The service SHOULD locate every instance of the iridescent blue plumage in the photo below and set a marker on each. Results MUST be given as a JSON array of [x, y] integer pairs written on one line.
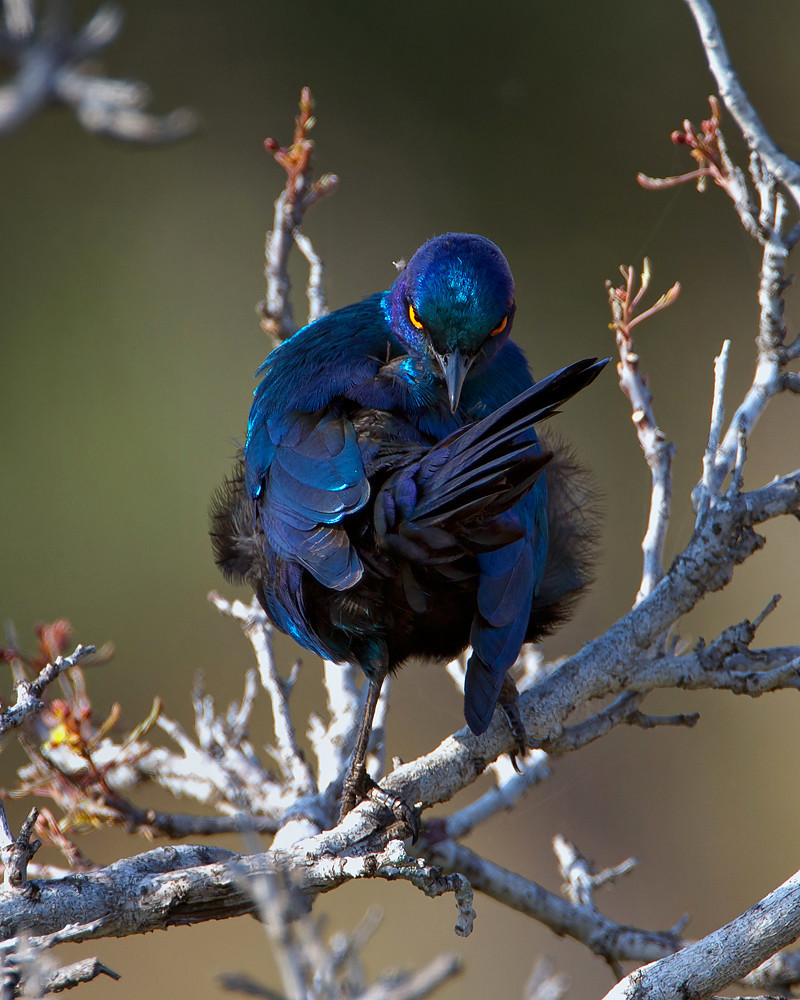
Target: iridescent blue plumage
[[392, 501]]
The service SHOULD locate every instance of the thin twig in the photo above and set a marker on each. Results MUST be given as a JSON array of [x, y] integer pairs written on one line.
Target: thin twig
[[658, 452], [580, 878], [299, 193], [703, 492]]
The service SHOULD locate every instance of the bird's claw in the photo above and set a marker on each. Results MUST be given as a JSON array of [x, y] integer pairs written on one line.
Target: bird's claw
[[508, 702], [400, 809], [357, 788]]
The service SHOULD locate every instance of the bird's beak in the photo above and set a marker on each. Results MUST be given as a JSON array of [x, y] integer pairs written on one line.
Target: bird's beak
[[454, 368]]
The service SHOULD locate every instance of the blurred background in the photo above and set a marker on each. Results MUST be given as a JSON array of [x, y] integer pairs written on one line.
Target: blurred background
[[128, 339]]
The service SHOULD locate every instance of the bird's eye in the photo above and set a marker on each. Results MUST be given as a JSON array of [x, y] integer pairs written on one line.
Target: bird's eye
[[412, 315], [500, 327]]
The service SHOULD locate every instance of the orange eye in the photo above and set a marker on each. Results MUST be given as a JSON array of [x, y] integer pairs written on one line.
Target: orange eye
[[412, 315], [500, 327]]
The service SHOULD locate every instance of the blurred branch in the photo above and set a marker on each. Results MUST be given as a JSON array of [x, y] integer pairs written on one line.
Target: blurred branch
[[545, 983], [56, 65], [29, 693], [779, 971], [16, 853], [392, 986], [29, 972], [311, 967], [69, 976], [580, 878]]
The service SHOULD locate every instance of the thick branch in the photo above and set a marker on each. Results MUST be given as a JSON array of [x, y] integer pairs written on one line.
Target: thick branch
[[187, 885]]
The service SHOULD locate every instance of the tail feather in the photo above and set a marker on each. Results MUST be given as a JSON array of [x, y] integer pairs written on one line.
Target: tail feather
[[481, 691], [573, 512], [498, 446]]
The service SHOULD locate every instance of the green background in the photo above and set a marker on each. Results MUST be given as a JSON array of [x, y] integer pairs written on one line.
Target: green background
[[128, 280]]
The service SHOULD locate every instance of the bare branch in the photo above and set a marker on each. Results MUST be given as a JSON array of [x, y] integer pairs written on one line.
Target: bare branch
[[298, 778], [188, 885], [744, 114], [510, 787], [723, 957], [623, 710], [614, 942], [545, 983], [299, 193], [580, 878], [333, 743], [704, 490], [258, 630], [768, 379], [708, 148], [658, 452], [317, 303]]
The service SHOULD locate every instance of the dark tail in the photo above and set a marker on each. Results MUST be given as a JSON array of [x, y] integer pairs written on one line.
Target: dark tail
[[484, 468]]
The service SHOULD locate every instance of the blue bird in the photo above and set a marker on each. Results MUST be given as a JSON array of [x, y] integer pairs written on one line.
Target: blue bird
[[392, 499]]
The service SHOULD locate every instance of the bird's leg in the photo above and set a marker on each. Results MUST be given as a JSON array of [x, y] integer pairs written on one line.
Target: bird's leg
[[358, 785], [354, 788], [508, 702]]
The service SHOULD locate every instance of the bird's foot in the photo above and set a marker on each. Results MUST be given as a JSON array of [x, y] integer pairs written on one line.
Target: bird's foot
[[360, 786], [508, 702]]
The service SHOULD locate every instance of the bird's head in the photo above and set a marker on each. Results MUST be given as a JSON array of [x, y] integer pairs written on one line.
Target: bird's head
[[453, 306]]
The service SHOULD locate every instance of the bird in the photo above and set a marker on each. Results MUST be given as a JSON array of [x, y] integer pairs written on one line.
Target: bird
[[393, 498]]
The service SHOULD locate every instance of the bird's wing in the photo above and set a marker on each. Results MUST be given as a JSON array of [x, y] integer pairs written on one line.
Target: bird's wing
[[303, 466], [313, 476]]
